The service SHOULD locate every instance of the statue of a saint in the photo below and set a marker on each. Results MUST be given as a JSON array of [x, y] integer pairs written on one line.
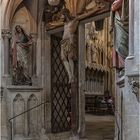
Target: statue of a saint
[[120, 16], [20, 57], [92, 50], [120, 24]]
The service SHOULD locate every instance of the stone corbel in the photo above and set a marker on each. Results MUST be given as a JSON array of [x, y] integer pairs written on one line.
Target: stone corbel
[[6, 33], [134, 82]]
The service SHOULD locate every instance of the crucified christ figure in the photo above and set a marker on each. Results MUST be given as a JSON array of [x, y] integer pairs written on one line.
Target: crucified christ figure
[[68, 42]]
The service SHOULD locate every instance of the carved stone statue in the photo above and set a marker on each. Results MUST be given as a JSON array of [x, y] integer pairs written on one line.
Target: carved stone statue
[[120, 23], [92, 50], [21, 43], [68, 45]]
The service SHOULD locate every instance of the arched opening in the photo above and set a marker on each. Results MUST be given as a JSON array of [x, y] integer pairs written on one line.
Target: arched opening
[[19, 123], [33, 116]]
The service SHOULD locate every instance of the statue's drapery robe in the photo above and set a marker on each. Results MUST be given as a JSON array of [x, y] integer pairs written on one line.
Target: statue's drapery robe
[[121, 34], [67, 49], [21, 58]]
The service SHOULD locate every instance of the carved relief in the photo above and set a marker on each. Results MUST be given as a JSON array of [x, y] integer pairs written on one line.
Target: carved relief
[[6, 33], [96, 52], [134, 82], [19, 122], [82, 8], [97, 69], [33, 115], [52, 12], [92, 50]]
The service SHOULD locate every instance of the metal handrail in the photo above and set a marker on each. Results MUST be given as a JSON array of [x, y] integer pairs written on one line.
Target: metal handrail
[[24, 113]]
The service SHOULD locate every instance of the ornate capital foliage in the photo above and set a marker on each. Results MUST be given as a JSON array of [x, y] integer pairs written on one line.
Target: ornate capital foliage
[[6, 33]]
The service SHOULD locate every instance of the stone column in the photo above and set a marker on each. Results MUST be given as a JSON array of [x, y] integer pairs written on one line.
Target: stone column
[[4, 128], [81, 71], [47, 82], [34, 38], [6, 35], [131, 95], [136, 31]]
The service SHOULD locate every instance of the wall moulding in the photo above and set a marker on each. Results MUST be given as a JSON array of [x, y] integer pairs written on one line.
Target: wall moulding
[[23, 88]]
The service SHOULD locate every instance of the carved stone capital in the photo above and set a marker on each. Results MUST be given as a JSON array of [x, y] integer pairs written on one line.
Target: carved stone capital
[[134, 83], [6, 33]]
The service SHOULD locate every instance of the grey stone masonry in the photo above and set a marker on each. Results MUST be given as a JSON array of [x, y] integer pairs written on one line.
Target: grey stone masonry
[[131, 92]]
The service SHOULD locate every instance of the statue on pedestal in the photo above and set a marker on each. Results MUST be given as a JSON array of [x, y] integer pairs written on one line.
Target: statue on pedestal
[[20, 57]]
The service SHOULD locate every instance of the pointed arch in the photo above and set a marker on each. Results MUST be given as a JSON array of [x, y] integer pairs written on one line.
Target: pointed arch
[[19, 122], [10, 7], [33, 115]]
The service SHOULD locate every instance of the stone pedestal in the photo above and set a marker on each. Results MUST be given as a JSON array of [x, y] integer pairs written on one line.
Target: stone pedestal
[[21, 99]]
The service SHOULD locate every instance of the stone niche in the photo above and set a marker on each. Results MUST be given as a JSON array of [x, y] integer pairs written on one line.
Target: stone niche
[[21, 99], [23, 59]]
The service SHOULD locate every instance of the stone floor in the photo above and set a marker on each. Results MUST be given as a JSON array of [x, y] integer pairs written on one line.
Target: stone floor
[[99, 127]]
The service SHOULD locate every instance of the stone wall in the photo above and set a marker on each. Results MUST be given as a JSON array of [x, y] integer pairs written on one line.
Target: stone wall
[[131, 115]]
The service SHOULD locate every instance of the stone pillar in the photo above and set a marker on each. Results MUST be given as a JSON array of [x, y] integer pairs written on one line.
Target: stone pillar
[[33, 63], [34, 38], [4, 128], [131, 28], [81, 71], [131, 95], [6, 35], [47, 81]]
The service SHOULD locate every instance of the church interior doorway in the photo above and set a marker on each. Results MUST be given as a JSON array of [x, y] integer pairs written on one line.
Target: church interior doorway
[[99, 77]]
